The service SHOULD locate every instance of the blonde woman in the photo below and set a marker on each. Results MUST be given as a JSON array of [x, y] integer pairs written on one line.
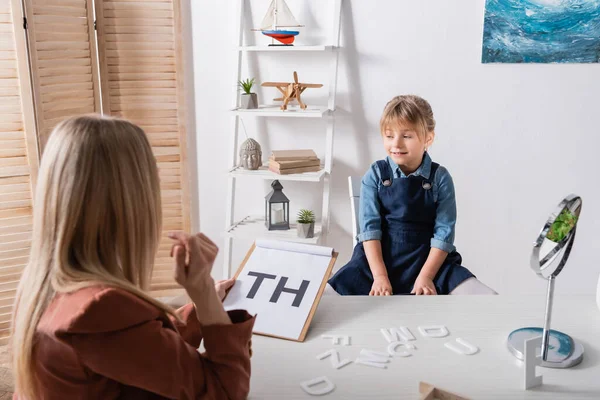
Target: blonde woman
[[84, 328]]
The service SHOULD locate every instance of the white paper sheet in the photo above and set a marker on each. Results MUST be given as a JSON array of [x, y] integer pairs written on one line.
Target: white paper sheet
[[295, 247], [297, 262]]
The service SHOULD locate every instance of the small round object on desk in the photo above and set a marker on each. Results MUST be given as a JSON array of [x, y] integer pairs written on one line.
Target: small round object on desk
[[563, 351]]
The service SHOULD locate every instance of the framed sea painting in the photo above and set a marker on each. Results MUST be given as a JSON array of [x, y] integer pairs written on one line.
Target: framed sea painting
[[541, 31]]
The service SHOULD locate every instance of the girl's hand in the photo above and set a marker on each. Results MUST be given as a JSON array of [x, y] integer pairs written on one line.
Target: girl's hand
[[381, 286], [194, 257], [424, 285], [223, 286]]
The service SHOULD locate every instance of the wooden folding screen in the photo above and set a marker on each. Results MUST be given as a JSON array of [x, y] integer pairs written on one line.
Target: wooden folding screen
[[64, 71], [141, 64], [54, 69], [18, 158]]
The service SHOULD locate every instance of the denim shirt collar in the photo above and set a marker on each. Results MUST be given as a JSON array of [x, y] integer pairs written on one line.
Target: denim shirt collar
[[424, 169]]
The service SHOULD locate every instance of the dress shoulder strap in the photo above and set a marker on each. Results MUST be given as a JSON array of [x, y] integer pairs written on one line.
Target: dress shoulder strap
[[385, 170]]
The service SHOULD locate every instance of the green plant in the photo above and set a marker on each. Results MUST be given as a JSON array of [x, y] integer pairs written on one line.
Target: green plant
[[305, 217], [562, 226], [246, 85]]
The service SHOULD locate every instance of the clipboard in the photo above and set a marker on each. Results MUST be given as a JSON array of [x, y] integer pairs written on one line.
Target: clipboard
[[315, 301]]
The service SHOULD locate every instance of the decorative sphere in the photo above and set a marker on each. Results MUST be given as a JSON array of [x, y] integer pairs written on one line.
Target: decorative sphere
[[250, 154]]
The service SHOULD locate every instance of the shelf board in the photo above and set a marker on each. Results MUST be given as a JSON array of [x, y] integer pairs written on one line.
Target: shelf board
[[285, 48], [264, 173], [291, 112], [253, 227]]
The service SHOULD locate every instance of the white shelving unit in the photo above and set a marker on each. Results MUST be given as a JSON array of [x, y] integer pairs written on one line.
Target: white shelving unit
[[291, 112], [286, 48], [253, 227]]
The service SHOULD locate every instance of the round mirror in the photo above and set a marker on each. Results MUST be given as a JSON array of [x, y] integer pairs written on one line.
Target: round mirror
[[550, 253], [553, 245]]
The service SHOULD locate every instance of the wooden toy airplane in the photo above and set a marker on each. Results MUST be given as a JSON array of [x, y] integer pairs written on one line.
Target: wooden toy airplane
[[291, 90]]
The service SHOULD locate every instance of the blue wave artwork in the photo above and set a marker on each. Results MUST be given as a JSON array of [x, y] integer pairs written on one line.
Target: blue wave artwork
[[541, 31]]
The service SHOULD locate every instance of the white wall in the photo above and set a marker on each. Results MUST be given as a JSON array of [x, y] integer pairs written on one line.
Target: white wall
[[516, 138]]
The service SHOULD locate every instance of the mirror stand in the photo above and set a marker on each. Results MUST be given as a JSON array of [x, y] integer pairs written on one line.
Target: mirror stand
[[558, 350]]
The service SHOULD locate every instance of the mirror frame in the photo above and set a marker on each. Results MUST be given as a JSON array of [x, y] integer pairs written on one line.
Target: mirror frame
[[539, 266]]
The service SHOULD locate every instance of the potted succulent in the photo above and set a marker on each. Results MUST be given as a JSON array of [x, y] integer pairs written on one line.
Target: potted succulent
[[305, 224], [248, 100]]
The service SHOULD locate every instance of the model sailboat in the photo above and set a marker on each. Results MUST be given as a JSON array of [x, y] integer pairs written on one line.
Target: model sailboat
[[279, 16]]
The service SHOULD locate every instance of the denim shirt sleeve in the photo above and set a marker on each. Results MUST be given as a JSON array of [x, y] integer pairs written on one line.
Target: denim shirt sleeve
[[445, 220], [369, 221]]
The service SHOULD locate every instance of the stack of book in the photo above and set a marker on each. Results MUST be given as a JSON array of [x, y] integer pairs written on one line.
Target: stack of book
[[286, 162]]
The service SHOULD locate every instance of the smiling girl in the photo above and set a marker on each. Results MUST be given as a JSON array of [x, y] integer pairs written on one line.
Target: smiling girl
[[407, 216]]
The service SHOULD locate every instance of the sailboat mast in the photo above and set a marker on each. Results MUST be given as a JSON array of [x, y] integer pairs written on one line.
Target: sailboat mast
[[275, 16]]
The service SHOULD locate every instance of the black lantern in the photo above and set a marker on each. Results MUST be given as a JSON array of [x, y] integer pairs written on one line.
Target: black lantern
[[277, 209]]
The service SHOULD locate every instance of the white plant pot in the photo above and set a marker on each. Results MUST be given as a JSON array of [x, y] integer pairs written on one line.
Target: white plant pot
[[248, 101], [306, 230]]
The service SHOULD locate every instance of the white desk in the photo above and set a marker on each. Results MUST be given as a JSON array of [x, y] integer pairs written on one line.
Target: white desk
[[278, 366]]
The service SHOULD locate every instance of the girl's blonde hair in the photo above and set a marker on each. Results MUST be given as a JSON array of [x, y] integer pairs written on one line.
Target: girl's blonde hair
[[408, 109], [97, 221]]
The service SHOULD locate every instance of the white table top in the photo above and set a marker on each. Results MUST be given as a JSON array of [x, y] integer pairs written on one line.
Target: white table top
[[278, 366]]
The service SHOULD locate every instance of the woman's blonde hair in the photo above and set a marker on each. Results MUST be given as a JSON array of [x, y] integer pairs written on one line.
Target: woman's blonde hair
[[97, 221], [408, 109]]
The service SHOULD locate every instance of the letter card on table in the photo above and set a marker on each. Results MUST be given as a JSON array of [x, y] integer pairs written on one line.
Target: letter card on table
[[282, 283]]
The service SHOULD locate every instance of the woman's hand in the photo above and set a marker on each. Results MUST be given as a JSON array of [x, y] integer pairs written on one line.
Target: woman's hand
[[424, 285], [194, 257], [223, 286], [381, 286]]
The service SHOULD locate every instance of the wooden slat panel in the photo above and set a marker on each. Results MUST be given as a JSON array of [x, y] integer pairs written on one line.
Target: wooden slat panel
[[141, 38], [8, 213], [140, 46], [47, 45], [16, 239], [58, 10], [60, 64], [15, 196], [49, 90], [141, 85], [142, 115], [66, 3], [138, 29], [66, 71], [5, 245], [18, 158], [15, 204], [16, 253], [12, 270], [6, 300], [154, 98], [143, 59], [142, 91], [141, 54], [8, 262], [63, 59], [124, 5], [141, 13], [68, 104], [140, 21], [58, 19], [59, 28], [15, 225], [7, 286]]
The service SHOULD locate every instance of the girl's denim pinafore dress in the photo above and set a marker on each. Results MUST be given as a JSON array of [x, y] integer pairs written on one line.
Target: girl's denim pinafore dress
[[408, 213]]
